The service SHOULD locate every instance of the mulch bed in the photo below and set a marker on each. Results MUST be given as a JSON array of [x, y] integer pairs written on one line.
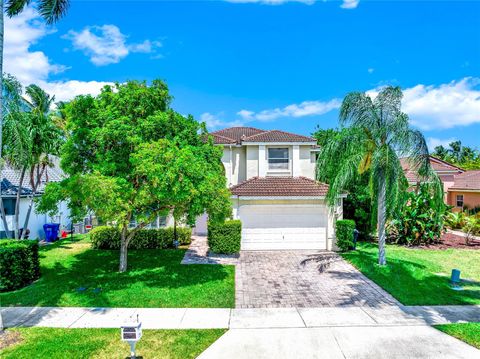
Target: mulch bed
[[452, 241], [8, 338]]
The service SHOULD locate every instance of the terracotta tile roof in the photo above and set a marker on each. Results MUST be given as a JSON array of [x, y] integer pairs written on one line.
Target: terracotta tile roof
[[234, 134], [467, 180], [250, 134], [441, 165], [278, 136], [437, 165], [280, 186]]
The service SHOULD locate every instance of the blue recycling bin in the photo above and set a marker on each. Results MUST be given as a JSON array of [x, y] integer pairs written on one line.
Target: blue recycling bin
[[51, 231]]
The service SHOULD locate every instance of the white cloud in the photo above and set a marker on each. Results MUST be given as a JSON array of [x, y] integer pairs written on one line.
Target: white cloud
[[306, 108], [346, 4], [106, 44], [215, 121], [349, 4], [444, 106], [272, 2], [67, 90], [23, 31], [433, 142]]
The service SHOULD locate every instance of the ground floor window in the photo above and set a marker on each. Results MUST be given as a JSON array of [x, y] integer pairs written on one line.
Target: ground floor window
[[460, 200], [9, 205]]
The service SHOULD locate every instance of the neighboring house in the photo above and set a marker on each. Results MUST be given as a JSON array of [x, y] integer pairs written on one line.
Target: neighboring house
[[271, 175], [465, 191], [461, 187], [10, 181]]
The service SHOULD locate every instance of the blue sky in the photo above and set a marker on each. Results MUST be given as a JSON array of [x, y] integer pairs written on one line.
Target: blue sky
[[268, 64]]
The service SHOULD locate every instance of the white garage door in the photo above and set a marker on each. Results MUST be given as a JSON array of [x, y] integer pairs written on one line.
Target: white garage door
[[267, 227]]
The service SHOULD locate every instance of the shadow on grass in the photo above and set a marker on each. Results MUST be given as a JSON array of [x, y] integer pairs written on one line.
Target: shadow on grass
[[410, 282], [155, 278]]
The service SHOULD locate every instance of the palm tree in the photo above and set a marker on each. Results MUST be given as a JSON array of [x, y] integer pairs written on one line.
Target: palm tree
[[45, 135], [51, 11], [374, 135]]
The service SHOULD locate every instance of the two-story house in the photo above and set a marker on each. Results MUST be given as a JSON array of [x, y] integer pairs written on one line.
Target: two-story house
[[271, 175]]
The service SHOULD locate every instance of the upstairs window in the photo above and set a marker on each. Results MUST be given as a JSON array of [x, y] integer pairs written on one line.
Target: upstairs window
[[460, 200], [278, 159]]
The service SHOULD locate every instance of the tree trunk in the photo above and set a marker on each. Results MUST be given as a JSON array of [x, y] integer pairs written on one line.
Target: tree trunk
[[30, 205], [17, 204], [27, 218], [123, 249], [4, 217], [381, 219]]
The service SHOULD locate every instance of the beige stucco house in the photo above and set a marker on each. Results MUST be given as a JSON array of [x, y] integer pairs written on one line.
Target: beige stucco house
[[461, 187], [271, 175]]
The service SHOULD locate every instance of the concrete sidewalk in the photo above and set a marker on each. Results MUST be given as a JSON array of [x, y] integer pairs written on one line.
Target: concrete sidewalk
[[374, 342], [258, 318]]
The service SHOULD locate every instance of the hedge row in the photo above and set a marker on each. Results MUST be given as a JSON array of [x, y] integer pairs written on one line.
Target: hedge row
[[19, 263], [225, 237], [106, 237], [344, 232]]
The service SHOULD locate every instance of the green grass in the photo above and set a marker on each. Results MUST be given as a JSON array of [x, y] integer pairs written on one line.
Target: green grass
[[419, 276], [105, 343], [468, 332], [74, 275]]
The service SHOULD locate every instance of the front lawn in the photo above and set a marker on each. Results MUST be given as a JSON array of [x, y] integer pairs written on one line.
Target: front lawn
[[105, 343], [468, 332], [74, 275], [421, 276]]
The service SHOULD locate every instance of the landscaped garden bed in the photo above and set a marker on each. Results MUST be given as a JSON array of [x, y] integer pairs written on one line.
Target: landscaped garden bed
[[74, 274], [105, 343], [416, 276]]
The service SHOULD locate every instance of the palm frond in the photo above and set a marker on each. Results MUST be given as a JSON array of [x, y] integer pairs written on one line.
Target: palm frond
[[53, 10], [15, 7]]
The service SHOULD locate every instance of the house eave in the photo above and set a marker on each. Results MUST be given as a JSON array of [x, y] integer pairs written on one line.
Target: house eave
[[291, 143]]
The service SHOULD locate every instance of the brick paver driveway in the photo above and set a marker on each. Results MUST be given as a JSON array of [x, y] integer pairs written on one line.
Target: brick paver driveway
[[267, 279]]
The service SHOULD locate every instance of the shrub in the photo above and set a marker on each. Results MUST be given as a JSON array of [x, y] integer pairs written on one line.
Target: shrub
[[455, 220], [419, 221], [471, 228], [344, 232], [19, 264], [225, 237], [106, 237]]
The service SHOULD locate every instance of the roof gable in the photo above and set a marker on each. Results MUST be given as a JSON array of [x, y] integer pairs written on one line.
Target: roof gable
[[240, 135]]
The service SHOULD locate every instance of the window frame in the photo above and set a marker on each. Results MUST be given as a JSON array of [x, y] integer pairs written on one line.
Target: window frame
[[278, 158], [457, 200]]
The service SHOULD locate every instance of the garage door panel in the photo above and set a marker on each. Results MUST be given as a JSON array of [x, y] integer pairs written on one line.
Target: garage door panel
[[267, 227]]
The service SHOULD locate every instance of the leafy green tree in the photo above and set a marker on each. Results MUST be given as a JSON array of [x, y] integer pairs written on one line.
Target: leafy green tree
[[462, 156], [129, 156], [358, 203], [374, 134]]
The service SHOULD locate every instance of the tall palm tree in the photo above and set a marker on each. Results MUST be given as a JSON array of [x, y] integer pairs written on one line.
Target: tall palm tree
[[51, 11], [374, 135], [45, 135]]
